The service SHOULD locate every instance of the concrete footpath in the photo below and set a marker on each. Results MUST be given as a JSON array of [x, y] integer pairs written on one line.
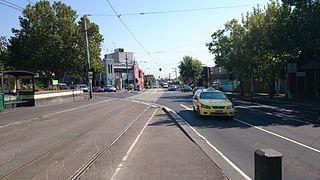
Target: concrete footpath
[[165, 152]]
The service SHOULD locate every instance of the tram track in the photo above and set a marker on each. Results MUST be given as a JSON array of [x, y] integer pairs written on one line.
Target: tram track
[[60, 146]]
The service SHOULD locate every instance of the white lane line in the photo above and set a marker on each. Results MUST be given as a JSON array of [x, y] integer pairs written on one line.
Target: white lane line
[[272, 133], [186, 107], [60, 112], [124, 159], [213, 147], [280, 136]]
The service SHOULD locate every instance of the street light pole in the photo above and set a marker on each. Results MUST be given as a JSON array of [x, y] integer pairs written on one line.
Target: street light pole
[[88, 57], [127, 83]]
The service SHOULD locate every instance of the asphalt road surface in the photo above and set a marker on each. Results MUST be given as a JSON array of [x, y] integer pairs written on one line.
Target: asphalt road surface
[[113, 136], [257, 126], [88, 139]]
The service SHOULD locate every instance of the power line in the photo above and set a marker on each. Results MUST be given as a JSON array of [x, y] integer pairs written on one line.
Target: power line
[[128, 29], [12, 4], [18, 9], [174, 11], [184, 10]]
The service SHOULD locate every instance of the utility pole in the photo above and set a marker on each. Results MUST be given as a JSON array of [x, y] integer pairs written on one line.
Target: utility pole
[[88, 58], [175, 70], [127, 83]]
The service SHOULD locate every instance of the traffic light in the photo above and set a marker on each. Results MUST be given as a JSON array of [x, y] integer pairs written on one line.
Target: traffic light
[[160, 69]]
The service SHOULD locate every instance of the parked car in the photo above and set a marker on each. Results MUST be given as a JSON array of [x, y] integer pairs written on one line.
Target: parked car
[[97, 89], [172, 88], [196, 88], [109, 88], [84, 87], [165, 85], [63, 86], [210, 102], [186, 88]]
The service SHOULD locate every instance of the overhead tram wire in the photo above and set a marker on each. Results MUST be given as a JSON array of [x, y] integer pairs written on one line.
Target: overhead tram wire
[[10, 6], [15, 5], [175, 11], [128, 29]]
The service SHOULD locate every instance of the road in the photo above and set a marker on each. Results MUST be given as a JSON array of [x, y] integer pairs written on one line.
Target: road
[[55, 141], [63, 141], [256, 126], [102, 138]]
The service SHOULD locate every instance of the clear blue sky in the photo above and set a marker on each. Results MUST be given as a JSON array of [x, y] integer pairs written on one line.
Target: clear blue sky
[[167, 37]]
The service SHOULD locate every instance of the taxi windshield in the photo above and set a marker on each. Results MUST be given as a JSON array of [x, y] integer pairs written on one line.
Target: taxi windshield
[[212, 95]]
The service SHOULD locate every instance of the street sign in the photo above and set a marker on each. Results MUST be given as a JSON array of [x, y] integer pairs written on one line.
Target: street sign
[[55, 82], [90, 75]]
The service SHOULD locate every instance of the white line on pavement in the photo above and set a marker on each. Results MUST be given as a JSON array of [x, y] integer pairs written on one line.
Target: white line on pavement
[[280, 136], [272, 133], [60, 112], [213, 147], [186, 107], [124, 159]]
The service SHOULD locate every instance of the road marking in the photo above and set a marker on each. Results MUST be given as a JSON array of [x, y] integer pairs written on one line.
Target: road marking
[[272, 133], [213, 147], [186, 107], [284, 117], [124, 159], [280, 136], [60, 112]]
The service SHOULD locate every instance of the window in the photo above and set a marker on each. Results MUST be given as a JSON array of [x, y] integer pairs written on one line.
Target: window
[[212, 95]]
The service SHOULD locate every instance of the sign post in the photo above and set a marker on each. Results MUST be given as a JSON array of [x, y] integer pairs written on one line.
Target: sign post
[[2, 94], [90, 77]]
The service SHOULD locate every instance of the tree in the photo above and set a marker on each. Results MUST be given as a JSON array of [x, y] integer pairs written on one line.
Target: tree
[[3, 52], [149, 79], [190, 70], [51, 41], [95, 40]]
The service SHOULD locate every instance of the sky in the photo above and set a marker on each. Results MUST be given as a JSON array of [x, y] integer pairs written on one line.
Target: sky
[[158, 40]]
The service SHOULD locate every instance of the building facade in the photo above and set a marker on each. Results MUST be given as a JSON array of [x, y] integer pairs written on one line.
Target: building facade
[[122, 70]]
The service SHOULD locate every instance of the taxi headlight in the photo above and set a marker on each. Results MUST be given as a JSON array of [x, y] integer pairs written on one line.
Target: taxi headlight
[[205, 106], [230, 107]]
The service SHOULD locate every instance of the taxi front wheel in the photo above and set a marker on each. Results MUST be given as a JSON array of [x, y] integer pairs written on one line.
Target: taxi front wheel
[[199, 114]]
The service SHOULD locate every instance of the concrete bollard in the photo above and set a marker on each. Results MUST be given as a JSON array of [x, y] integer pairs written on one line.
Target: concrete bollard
[[267, 164]]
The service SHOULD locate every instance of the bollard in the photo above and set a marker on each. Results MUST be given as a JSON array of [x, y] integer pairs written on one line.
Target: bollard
[[267, 164]]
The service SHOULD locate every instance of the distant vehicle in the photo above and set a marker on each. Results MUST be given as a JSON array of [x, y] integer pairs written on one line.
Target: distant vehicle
[[212, 103], [165, 85], [63, 86], [109, 88], [186, 88], [196, 88], [97, 89], [172, 88], [84, 87]]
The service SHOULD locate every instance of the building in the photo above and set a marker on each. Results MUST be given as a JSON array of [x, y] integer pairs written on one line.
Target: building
[[122, 70]]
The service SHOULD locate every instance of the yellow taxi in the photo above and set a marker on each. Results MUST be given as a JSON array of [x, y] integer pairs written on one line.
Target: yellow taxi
[[211, 102]]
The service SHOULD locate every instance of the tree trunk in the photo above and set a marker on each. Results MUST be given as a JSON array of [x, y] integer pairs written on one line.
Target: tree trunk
[[271, 87], [241, 87]]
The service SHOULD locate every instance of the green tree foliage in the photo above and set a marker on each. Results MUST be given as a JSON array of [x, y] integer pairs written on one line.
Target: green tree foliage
[[3, 52], [51, 41], [95, 39], [267, 38], [149, 80], [190, 70]]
